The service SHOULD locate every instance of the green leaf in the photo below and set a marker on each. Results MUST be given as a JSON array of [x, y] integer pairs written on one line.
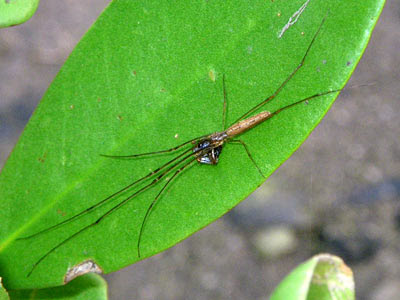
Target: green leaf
[[146, 77], [323, 277], [14, 12], [89, 286]]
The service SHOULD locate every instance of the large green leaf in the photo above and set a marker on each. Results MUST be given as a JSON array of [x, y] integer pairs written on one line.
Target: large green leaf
[[148, 76], [14, 12]]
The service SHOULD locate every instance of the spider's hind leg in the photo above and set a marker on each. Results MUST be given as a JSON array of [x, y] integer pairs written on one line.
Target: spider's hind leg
[[240, 142]]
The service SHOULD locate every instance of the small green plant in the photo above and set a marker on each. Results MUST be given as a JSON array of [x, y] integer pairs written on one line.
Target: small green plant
[[323, 277], [14, 12]]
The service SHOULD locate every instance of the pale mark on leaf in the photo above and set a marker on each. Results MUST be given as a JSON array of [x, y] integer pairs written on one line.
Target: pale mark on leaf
[[88, 266], [293, 19]]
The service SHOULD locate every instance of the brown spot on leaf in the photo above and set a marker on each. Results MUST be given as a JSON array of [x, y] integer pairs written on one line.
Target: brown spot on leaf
[[60, 212], [42, 158]]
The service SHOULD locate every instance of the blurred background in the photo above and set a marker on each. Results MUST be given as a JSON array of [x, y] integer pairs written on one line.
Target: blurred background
[[339, 193]]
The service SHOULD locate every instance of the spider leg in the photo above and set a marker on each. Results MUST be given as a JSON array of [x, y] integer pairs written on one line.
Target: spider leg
[[278, 90], [155, 152], [99, 204], [155, 201], [225, 104], [113, 209], [240, 142]]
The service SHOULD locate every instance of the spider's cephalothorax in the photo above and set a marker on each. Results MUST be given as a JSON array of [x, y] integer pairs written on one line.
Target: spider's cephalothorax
[[208, 149]]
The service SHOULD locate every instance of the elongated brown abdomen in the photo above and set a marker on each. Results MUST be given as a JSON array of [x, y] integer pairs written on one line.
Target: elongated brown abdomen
[[247, 124]]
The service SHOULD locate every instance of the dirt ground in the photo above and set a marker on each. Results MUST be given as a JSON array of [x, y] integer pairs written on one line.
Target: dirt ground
[[339, 193]]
